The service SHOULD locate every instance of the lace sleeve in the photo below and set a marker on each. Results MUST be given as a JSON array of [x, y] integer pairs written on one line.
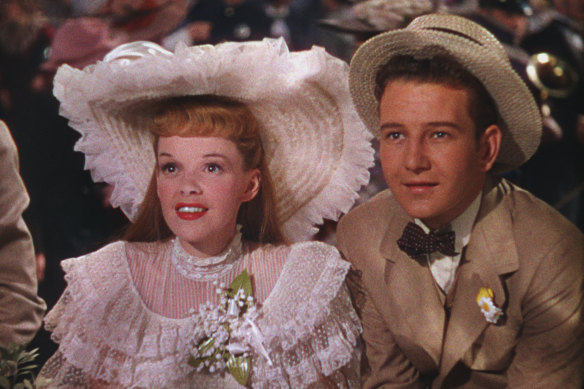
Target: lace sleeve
[[310, 324], [105, 333]]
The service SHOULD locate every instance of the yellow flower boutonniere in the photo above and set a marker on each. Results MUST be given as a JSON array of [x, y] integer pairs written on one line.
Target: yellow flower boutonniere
[[488, 308]]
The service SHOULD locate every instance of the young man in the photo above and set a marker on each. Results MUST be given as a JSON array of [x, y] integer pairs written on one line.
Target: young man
[[465, 280]]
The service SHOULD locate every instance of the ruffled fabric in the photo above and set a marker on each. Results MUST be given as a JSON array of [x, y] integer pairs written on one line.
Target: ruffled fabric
[[107, 333], [320, 133]]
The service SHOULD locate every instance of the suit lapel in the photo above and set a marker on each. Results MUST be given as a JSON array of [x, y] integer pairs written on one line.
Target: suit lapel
[[491, 252], [415, 309]]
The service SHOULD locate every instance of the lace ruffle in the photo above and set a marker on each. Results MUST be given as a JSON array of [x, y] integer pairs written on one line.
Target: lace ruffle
[[106, 332], [104, 329], [316, 330]]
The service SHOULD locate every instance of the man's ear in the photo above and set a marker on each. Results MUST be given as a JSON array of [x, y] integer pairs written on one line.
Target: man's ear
[[253, 185], [489, 146]]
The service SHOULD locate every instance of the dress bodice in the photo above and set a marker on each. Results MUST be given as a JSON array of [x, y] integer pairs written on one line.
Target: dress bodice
[[129, 312]]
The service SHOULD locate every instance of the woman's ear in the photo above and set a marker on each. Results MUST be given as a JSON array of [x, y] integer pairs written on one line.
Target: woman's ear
[[253, 185], [490, 144]]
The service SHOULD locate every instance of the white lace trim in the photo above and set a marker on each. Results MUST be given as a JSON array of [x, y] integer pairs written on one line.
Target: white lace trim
[[106, 332], [196, 268]]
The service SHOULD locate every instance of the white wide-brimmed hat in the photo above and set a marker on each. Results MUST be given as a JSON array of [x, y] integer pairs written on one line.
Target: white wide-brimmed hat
[[317, 148], [478, 51]]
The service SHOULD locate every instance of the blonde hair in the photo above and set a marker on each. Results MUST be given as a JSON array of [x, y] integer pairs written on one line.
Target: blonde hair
[[212, 116]]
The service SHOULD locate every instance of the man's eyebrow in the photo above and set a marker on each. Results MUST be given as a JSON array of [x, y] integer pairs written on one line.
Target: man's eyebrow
[[444, 124], [393, 125], [390, 125]]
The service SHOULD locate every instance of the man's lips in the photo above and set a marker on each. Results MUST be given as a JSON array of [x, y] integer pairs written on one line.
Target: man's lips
[[190, 211], [420, 187]]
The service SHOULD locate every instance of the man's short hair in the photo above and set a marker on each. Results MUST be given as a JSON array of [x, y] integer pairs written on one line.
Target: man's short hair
[[441, 69]]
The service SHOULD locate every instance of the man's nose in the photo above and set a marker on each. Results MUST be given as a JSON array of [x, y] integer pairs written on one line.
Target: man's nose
[[416, 158]]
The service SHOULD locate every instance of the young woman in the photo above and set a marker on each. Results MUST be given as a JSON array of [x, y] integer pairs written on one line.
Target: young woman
[[223, 157]]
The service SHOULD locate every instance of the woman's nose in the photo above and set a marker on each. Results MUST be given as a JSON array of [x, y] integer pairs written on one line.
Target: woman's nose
[[190, 185]]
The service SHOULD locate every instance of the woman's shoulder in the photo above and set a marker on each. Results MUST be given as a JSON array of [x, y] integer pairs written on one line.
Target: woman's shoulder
[[311, 279], [314, 252], [111, 254], [309, 312], [317, 262], [101, 320]]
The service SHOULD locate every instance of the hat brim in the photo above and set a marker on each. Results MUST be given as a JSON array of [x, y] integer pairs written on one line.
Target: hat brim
[[485, 58]]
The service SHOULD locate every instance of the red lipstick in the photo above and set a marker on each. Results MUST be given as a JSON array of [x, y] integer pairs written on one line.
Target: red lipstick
[[190, 211]]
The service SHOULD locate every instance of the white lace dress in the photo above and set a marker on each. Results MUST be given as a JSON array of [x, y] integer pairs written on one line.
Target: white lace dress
[[128, 315]]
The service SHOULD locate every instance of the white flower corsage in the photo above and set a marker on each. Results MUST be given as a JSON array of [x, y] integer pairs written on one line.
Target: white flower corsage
[[488, 307], [225, 334]]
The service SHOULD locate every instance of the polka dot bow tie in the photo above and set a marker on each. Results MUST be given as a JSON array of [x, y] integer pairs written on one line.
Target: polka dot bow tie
[[416, 243]]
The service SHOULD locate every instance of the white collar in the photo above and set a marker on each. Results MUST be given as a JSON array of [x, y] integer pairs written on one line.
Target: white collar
[[194, 267], [461, 225]]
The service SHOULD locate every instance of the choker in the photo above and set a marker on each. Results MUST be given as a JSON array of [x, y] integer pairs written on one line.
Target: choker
[[197, 268]]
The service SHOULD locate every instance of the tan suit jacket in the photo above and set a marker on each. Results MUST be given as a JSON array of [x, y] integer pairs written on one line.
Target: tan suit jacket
[[529, 255], [21, 310]]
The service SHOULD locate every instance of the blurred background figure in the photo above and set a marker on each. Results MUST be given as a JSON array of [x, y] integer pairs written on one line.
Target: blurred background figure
[[338, 42], [21, 310], [294, 20], [365, 19], [149, 20], [214, 21], [545, 43], [67, 215], [25, 36]]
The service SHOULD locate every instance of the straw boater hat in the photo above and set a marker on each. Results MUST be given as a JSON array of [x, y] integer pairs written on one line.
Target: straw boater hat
[[317, 148], [479, 52]]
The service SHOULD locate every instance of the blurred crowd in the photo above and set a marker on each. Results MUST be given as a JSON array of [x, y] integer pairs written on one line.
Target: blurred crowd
[[69, 215]]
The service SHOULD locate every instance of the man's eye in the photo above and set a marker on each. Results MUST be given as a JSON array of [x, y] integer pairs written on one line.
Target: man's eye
[[440, 134], [393, 135]]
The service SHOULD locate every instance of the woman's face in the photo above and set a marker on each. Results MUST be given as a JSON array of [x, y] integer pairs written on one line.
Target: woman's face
[[201, 183]]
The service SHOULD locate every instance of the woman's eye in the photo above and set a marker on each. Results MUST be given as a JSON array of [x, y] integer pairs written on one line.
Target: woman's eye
[[168, 168], [213, 168]]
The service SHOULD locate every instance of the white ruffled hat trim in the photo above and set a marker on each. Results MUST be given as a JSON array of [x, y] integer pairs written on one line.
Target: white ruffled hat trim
[[317, 147]]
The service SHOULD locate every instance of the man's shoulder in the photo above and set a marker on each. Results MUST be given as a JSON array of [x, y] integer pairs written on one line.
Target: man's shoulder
[[375, 210], [365, 227], [532, 220]]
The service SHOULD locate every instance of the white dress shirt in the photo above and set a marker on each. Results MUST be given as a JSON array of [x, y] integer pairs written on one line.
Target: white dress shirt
[[443, 267]]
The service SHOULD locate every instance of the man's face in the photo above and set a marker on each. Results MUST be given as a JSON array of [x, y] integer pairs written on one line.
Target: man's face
[[430, 157]]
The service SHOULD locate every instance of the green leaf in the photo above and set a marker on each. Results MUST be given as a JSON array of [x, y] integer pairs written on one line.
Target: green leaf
[[206, 346], [195, 362], [242, 281], [239, 368]]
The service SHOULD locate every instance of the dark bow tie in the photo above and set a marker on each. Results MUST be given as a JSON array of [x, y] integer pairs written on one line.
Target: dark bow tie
[[415, 242]]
